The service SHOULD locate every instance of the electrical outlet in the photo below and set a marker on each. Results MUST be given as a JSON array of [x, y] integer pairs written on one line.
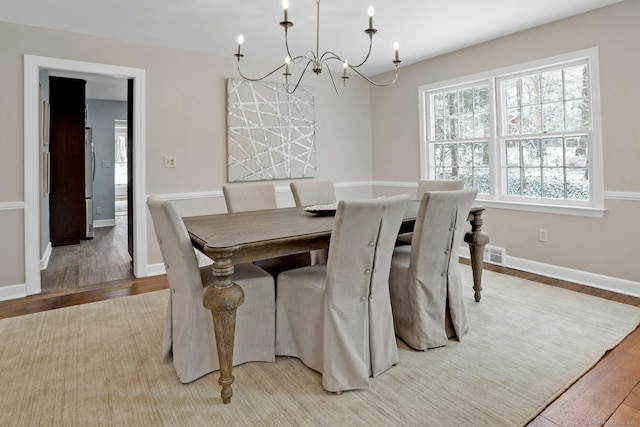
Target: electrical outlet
[[169, 161], [98, 210], [543, 235]]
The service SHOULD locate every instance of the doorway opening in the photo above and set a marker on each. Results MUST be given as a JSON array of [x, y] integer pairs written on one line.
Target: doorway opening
[[34, 255], [101, 257]]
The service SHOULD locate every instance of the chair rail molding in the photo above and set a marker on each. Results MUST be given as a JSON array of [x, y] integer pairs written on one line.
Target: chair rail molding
[[622, 195], [11, 206]]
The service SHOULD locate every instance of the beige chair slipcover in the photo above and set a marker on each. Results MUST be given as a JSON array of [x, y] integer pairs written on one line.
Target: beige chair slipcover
[[425, 284], [309, 193], [255, 197], [249, 197], [425, 185], [188, 331], [336, 317]]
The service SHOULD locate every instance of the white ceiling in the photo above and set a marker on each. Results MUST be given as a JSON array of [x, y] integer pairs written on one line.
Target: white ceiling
[[423, 28]]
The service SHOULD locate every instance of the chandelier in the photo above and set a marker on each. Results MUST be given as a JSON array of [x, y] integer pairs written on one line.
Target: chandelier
[[317, 61]]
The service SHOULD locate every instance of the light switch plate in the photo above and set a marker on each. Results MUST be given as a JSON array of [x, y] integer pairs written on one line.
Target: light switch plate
[[169, 161]]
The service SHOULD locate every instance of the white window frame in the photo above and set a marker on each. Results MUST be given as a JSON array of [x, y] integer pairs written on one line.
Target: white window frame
[[594, 207]]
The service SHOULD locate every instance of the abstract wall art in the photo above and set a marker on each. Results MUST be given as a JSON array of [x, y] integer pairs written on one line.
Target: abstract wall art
[[270, 133]]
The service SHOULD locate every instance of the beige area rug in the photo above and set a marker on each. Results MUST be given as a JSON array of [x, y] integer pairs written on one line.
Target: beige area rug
[[99, 364]]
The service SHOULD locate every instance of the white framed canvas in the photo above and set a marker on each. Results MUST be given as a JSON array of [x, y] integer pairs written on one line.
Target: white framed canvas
[[270, 133]]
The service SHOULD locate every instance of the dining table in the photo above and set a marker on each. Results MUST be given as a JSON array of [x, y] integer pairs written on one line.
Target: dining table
[[235, 238]]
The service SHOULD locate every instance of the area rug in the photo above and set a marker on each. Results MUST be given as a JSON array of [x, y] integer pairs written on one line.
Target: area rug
[[100, 364]]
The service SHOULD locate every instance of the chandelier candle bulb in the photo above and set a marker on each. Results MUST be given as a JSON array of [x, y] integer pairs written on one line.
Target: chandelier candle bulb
[[396, 47], [240, 41], [371, 12], [285, 6]]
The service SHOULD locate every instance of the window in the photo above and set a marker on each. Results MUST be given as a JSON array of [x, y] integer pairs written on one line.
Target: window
[[120, 163], [527, 136], [460, 127]]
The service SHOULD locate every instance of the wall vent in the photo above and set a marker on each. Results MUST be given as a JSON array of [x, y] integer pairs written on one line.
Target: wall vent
[[494, 255]]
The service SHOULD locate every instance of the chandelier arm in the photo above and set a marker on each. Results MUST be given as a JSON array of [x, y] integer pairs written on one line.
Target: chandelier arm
[[309, 62], [258, 78], [333, 82], [286, 43], [333, 56], [366, 58], [297, 59], [376, 83]]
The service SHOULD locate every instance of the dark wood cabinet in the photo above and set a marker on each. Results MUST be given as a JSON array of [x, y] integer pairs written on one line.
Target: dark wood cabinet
[[67, 197]]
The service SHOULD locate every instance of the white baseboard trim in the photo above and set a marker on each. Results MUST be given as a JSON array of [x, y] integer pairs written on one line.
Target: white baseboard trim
[[44, 261], [155, 269], [158, 269], [104, 223], [13, 292], [599, 281], [613, 284]]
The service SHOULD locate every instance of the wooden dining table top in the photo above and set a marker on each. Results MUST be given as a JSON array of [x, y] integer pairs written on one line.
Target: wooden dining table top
[[244, 231]]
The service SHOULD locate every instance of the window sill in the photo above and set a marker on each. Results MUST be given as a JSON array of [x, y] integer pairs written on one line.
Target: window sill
[[549, 209]]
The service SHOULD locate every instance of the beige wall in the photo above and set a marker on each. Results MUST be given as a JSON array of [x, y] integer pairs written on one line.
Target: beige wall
[[605, 246], [185, 117]]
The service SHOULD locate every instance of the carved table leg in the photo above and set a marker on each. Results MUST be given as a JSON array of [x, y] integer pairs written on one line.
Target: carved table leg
[[223, 298], [477, 239]]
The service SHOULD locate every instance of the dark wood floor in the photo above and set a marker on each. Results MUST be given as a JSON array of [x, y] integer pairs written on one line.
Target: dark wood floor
[[607, 395]]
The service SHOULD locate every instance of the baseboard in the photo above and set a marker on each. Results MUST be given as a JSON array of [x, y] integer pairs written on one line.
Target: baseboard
[[155, 269], [104, 223], [44, 261], [158, 269], [613, 284], [13, 292], [621, 286]]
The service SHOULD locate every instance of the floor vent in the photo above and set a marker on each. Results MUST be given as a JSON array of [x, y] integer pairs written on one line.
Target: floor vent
[[494, 255]]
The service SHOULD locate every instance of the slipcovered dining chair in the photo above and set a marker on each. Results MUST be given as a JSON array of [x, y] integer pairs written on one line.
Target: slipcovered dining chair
[[250, 197], [308, 193], [188, 336], [425, 283], [425, 185], [255, 197], [336, 317]]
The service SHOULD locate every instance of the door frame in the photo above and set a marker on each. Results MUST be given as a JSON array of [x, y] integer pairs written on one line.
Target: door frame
[[32, 66]]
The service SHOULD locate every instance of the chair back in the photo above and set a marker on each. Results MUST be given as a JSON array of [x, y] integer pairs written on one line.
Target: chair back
[[434, 261], [425, 185], [439, 228], [308, 193], [180, 260], [188, 329], [249, 197], [358, 318]]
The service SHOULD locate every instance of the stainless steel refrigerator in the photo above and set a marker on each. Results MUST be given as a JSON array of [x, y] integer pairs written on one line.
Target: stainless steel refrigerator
[[89, 176]]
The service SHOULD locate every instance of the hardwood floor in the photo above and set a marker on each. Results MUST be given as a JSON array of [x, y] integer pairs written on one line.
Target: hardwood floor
[[95, 261], [607, 395]]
